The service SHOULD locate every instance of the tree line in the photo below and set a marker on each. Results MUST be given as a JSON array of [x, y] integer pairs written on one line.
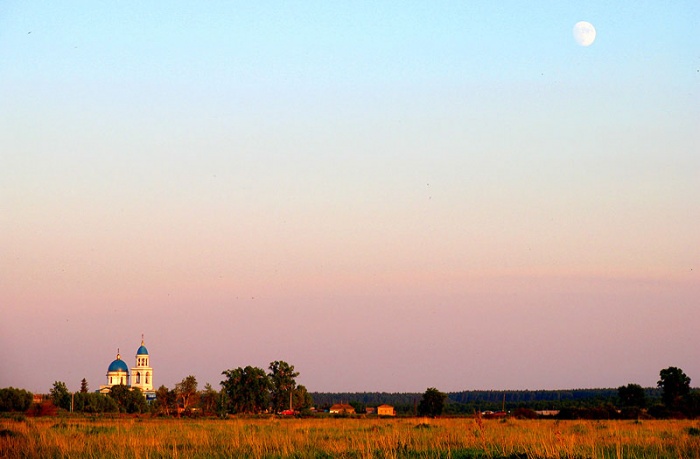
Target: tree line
[[248, 390], [252, 390], [244, 390], [671, 398]]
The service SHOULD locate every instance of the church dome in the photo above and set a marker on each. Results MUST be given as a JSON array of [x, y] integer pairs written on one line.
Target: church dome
[[142, 350], [118, 365]]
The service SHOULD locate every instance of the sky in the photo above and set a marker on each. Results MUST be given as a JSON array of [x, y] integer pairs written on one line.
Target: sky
[[389, 196]]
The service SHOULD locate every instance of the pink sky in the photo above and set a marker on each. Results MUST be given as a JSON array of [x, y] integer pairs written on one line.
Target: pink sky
[[375, 197]]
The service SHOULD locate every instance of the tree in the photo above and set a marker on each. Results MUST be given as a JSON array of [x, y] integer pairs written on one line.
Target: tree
[[632, 396], [283, 383], [60, 395], [209, 398], [675, 385], [186, 392], [432, 403], [87, 402], [360, 408], [302, 399], [137, 402], [83, 386], [129, 400], [12, 399], [247, 389], [121, 394], [165, 400]]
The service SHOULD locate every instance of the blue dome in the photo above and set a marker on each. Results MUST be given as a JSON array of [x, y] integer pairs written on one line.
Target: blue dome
[[118, 365], [142, 350]]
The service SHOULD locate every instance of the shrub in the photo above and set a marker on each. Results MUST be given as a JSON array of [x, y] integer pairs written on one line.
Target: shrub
[[524, 413]]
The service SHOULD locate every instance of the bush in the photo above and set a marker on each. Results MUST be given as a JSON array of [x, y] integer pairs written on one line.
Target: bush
[[631, 412], [659, 411], [605, 412], [524, 413]]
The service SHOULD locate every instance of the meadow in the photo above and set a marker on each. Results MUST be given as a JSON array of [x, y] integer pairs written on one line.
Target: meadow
[[81, 437]]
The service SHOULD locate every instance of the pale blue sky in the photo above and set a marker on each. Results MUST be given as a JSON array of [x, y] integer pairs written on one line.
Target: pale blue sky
[[360, 189]]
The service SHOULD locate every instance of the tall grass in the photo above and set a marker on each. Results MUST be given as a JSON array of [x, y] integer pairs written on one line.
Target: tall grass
[[346, 438]]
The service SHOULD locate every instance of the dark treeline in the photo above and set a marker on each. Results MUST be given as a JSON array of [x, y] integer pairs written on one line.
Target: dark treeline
[[251, 390], [470, 401], [542, 399], [403, 402]]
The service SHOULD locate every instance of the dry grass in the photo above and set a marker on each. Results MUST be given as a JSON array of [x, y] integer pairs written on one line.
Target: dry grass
[[351, 438]]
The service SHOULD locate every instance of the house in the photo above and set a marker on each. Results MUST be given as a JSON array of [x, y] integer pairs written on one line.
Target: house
[[386, 410], [342, 408]]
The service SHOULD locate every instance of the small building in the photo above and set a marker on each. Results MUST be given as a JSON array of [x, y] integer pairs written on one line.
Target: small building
[[342, 408], [386, 410]]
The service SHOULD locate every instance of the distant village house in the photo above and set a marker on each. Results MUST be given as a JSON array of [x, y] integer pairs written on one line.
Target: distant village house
[[342, 408]]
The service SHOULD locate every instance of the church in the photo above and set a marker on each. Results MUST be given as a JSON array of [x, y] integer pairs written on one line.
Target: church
[[141, 375]]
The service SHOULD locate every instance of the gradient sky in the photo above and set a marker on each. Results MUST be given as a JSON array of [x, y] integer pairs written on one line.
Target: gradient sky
[[387, 195]]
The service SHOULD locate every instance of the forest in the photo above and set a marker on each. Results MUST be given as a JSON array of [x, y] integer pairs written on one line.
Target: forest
[[472, 401]]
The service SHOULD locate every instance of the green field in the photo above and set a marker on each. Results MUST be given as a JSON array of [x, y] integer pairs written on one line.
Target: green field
[[79, 437]]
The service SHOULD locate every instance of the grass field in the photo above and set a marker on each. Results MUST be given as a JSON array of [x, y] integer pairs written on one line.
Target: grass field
[[78, 437]]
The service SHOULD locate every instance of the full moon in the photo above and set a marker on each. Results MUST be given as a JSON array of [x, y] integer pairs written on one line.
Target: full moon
[[584, 33]]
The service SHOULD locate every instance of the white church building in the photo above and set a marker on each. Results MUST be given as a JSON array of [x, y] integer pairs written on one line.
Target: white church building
[[140, 376]]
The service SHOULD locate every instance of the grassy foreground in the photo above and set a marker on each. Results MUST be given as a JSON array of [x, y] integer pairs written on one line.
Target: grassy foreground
[[351, 438]]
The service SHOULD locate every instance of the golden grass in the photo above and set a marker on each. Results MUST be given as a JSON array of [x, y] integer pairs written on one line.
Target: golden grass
[[75, 437]]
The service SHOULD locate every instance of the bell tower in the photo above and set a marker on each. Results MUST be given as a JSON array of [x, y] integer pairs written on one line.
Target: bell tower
[[142, 373]]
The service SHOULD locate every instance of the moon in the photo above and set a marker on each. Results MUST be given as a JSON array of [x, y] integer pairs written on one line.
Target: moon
[[584, 33]]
